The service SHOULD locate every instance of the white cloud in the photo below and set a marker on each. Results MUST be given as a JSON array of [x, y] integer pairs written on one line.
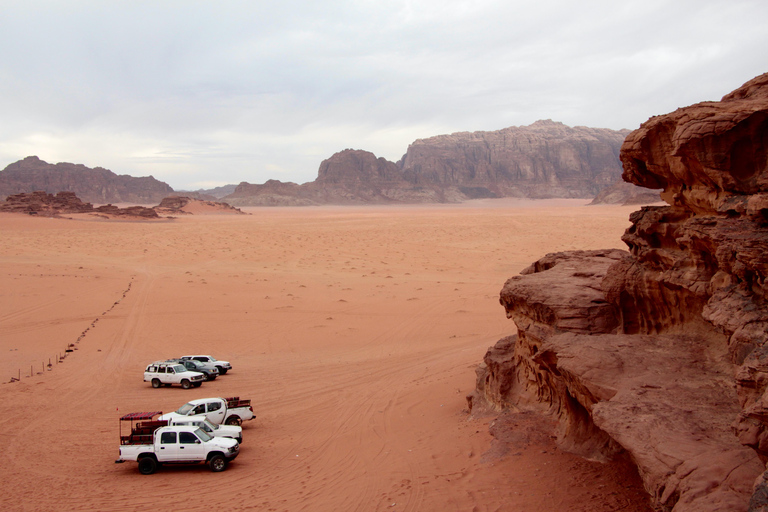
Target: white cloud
[[246, 91]]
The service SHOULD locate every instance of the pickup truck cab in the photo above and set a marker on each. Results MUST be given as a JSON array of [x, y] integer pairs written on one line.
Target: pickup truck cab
[[232, 431], [151, 444], [162, 373], [219, 411], [211, 362]]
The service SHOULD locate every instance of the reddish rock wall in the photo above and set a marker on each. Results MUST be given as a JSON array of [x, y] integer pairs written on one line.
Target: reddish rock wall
[[661, 352]]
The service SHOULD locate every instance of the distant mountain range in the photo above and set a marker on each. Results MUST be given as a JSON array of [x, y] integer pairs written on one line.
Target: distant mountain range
[[544, 160]]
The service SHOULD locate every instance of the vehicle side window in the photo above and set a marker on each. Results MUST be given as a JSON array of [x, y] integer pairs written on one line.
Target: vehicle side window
[[214, 406], [199, 359], [168, 438], [152, 369], [200, 409], [170, 369], [187, 438]]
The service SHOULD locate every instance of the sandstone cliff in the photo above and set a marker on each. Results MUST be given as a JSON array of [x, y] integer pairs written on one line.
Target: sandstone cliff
[[543, 160], [97, 185], [660, 353]]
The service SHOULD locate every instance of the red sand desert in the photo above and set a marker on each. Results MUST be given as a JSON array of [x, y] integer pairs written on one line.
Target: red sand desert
[[354, 331]]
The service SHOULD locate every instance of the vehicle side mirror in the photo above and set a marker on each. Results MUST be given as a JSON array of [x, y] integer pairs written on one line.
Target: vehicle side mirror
[[197, 441]]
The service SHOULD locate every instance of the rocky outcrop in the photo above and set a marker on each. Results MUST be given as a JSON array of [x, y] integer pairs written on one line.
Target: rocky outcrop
[[624, 193], [660, 352], [543, 160], [181, 205], [97, 185], [42, 203]]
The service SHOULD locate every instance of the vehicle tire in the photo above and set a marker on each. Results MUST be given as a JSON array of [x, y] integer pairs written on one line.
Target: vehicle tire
[[217, 463], [156, 383], [147, 465], [222, 370], [234, 420], [197, 384], [186, 384]]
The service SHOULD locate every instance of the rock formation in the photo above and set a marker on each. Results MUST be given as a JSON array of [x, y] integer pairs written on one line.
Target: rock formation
[[176, 205], [624, 193], [97, 185], [661, 353], [43, 203], [543, 160]]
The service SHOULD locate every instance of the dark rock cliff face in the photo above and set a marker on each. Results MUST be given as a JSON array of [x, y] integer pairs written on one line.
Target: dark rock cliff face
[[96, 185], [45, 204], [544, 160], [660, 352]]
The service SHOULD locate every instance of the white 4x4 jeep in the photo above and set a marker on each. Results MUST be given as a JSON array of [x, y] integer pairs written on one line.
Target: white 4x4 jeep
[[211, 362], [172, 373]]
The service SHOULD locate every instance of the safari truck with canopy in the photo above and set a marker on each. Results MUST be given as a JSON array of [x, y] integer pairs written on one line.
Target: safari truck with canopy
[[152, 443], [219, 411]]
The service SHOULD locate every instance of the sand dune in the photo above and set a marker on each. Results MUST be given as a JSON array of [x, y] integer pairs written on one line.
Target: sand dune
[[355, 331]]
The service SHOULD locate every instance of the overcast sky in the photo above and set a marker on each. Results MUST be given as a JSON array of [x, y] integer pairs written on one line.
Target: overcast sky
[[200, 94]]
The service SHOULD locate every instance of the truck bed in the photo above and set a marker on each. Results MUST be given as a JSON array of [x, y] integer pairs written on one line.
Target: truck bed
[[234, 401]]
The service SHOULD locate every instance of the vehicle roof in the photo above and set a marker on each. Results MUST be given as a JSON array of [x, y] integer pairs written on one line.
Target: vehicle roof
[[196, 417], [140, 416], [198, 401]]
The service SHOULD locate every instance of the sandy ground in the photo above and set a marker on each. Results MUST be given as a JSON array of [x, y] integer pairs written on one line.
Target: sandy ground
[[355, 331]]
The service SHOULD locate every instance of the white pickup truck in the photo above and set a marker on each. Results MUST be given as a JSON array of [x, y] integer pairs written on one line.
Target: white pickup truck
[[211, 362], [166, 374], [233, 431], [219, 411], [151, 444]]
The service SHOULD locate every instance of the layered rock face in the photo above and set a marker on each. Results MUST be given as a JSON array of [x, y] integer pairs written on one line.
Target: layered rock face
[[660, 352], [97, 185], [543, 160], [42, 203]]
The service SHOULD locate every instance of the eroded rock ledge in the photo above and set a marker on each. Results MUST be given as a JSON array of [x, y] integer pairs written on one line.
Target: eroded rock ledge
[[661, 352]]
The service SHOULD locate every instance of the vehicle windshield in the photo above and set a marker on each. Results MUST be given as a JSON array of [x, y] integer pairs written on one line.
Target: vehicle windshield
[[213, 359], [205, 436], [179, 368], [184, 409], [210, 426], [196, 364]]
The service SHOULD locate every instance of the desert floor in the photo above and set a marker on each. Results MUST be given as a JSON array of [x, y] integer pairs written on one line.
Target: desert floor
[[355, 331]]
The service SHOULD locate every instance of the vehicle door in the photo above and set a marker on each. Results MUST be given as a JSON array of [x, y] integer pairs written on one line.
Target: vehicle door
[[168, 447], [162, 375], [190, 447], [216, 412]]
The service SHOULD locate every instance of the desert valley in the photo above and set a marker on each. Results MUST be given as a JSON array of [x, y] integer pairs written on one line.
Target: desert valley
[[471, 350], [355, 331]]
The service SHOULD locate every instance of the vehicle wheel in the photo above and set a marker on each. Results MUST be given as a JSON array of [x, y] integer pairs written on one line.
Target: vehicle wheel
[[197, 384], [217, 463], [222, 370], [147, 465], [156, 383], [186, 384], [234, 420]]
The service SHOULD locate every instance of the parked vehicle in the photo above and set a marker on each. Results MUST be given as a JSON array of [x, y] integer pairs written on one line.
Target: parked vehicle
[[222, 366], [196, 366], [152, 443], [232, 431], [162, 373], [219, 411]]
